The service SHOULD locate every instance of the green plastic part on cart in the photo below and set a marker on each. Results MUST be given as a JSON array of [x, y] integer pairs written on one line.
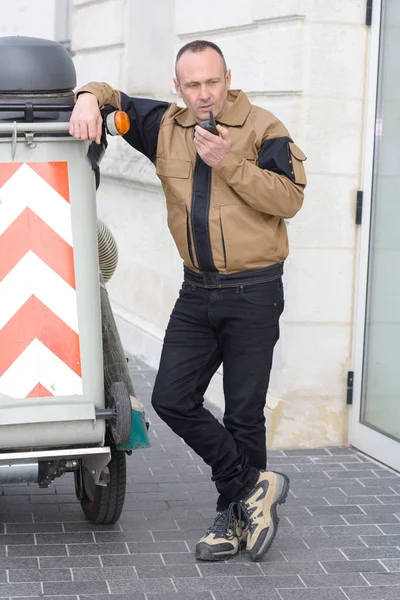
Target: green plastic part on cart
[[139, 437]]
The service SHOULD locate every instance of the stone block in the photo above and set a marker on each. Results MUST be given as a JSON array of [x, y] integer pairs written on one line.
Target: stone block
[[317, 286], [98, 25]]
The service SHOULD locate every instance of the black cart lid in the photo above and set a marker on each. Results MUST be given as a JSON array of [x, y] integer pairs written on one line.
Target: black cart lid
[[29, 64]]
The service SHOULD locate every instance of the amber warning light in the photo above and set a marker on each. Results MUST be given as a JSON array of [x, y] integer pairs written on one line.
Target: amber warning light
[[118, 123]]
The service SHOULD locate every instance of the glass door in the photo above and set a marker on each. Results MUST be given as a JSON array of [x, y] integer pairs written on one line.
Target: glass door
[[375, 418]]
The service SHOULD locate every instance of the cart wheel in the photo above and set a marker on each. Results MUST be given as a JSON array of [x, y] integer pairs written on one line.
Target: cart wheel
[[103, 505], [121, 424]]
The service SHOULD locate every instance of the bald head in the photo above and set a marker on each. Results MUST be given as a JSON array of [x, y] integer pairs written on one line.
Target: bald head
[[196, 47]]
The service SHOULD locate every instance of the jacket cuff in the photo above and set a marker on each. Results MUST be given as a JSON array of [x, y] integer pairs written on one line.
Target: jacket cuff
[[83, 90], [104, 93], [229, 164]]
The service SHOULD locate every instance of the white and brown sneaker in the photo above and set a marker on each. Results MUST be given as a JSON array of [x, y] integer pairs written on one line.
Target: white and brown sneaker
[[260, 508], [224, 538]]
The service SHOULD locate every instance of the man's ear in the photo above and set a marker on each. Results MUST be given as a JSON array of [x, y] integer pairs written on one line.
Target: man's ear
[[228, 78], [177, 87]]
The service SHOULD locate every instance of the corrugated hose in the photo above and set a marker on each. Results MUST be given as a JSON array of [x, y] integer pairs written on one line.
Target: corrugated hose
[[108, 251]]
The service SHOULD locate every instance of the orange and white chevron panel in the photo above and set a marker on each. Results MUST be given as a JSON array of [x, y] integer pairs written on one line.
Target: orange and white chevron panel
[[39, 335]]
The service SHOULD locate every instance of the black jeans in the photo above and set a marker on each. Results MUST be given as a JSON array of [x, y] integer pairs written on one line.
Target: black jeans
[[239, 327]]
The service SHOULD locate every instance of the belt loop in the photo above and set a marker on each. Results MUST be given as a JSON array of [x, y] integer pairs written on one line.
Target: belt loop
[[211, 279]]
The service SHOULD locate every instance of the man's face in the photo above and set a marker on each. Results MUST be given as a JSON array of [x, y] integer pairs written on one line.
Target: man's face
[[202, 83]]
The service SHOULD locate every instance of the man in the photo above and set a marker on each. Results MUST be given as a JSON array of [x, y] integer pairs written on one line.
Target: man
[[227, 198]]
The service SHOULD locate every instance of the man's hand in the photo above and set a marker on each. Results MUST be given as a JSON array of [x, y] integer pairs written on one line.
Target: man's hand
[[86, 121], [212, 148]]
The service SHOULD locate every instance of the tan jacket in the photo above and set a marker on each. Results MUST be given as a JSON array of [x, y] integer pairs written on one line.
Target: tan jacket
[[229, 218]]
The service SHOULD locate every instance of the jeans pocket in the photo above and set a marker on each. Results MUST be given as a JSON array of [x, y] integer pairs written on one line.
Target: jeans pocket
[[187, 289], [268, 294]]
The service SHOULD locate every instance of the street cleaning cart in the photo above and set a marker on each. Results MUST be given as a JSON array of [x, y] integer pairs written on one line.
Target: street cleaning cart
[[67, 402]]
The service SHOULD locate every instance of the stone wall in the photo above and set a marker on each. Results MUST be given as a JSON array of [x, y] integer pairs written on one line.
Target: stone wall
[[49, 19]]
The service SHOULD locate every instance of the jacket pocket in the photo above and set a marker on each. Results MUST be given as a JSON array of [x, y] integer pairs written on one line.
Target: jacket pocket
[[189, 237], [296, 160], [174, 175], [179, 226], [223, 241], [249, 238]]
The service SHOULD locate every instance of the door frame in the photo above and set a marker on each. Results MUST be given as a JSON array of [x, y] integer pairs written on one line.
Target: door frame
[[371, 442]]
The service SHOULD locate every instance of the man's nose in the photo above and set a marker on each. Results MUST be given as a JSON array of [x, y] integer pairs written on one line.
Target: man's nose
[[204, 92]]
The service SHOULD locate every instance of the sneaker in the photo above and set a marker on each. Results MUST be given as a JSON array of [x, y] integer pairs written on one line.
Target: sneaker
[[260, 507], [224, 538]]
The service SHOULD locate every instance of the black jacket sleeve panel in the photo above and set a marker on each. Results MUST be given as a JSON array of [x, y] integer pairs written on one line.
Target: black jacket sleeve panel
[[145, 115], [274, 155]]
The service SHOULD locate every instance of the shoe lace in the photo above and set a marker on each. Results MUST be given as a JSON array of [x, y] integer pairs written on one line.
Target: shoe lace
[[242, 518], [245, 512], [229, 524]]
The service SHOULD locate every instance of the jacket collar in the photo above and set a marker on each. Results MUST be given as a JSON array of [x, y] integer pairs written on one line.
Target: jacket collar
[[234, 114]]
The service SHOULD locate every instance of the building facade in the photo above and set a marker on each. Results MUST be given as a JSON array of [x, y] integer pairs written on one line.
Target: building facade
[[49, 19], [327, 69]]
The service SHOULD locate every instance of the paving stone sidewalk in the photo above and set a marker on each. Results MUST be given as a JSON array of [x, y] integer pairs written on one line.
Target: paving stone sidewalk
[[339, 534]]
